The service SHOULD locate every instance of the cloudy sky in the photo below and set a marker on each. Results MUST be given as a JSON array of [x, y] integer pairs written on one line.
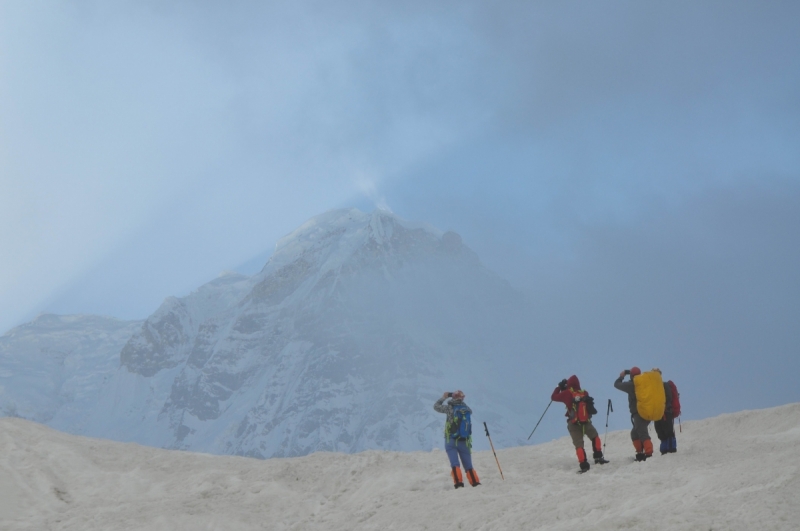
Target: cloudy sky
[[635, 167]]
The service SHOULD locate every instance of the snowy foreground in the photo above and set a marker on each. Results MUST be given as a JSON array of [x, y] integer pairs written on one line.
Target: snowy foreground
[[737, 471]]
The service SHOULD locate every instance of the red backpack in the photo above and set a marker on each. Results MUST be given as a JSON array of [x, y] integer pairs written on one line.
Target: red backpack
[[676, 399], [583, 405]]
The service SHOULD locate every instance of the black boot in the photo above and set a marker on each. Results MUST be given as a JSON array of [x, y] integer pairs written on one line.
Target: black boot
[[640, 456], [584, 466], [598, 458]]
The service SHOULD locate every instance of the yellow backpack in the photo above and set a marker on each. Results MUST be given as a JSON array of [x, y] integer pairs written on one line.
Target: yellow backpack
[[650, 397]]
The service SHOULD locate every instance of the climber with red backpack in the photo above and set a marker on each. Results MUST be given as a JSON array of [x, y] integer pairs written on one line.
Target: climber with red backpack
[[458, 437], [580, 408], [665, 427]]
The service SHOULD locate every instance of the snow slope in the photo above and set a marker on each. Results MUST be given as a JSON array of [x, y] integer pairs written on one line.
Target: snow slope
[[735, 471]]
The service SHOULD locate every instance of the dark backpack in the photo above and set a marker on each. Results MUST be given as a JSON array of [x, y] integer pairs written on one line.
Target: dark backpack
[[676, 399], [590, 405], [461, 427]]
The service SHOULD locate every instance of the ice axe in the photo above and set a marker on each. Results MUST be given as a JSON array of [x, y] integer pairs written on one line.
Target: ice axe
[[495, 454]]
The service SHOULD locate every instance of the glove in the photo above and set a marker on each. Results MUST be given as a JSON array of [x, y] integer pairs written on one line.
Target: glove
[[562, 384]]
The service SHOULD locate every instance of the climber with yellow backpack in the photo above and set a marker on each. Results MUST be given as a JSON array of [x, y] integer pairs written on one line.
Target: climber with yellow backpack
[[580, 408], [646, 401]]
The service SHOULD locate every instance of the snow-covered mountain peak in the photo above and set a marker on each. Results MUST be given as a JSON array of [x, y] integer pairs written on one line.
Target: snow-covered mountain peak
[[339, 343], [337, 235]]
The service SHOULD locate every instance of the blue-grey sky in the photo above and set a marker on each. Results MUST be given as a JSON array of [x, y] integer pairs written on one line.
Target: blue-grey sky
[[635, 166]]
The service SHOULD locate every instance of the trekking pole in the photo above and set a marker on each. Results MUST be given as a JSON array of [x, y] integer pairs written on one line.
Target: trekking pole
[[679, 426], [495, 454], [609, 409], [540, 419]]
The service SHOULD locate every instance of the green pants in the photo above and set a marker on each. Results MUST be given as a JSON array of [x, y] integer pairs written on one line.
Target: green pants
[[577, 431]]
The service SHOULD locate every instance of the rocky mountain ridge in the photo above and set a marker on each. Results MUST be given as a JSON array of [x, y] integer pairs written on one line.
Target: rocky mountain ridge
[[341, 342]]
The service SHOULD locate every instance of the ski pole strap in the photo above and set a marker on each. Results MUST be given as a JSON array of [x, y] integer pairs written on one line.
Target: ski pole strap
[[610, 407]]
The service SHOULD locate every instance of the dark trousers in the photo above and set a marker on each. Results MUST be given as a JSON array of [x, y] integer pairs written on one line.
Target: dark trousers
[[665, 428], [639, 431]]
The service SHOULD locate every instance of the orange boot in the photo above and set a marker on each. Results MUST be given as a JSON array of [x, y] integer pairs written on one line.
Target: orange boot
[[581, 453], [472, 476], [648, 448], [458, 481]]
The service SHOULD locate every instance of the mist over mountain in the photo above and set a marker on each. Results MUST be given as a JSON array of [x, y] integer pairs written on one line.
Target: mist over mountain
[[356, 324]]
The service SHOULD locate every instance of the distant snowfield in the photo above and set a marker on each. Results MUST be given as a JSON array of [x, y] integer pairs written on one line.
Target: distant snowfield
[[735, 471]]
